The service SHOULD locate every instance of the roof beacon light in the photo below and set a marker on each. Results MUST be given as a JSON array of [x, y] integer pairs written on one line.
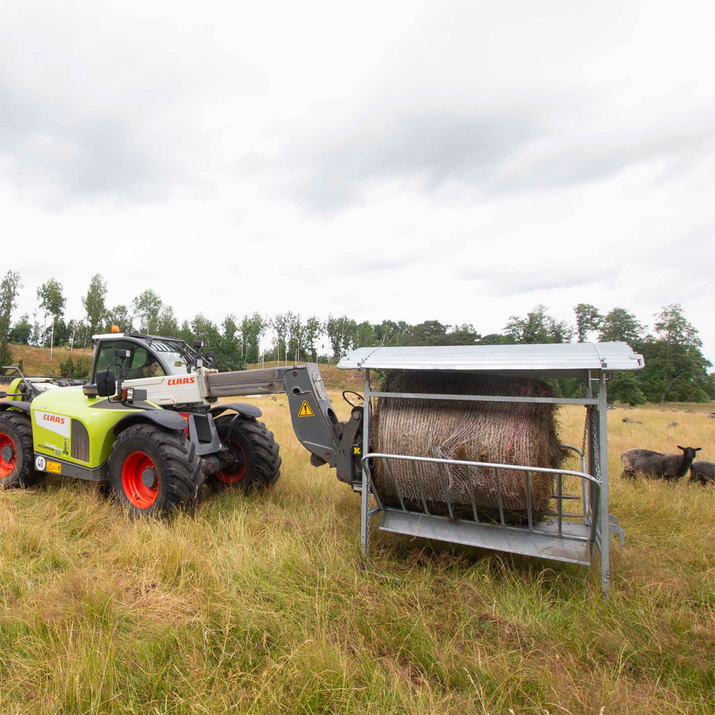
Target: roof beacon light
[[115, 328]]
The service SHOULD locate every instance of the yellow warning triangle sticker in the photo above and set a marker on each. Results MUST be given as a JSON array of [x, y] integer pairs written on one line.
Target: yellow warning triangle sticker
[[305, 410]]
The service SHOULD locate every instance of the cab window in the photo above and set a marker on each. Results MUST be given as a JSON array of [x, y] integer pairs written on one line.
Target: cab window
[[140, 363]]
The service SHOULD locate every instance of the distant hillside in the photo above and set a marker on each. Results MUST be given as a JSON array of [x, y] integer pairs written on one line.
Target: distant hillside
[[36, 363]]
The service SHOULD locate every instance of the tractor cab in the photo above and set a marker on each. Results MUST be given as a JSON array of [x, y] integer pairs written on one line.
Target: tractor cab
[[167, 368]]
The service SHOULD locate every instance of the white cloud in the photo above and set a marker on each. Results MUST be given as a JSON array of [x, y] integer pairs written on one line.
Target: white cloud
[[456, 160]]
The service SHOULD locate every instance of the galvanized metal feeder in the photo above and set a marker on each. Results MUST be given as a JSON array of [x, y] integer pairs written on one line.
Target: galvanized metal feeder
[[564, 535]]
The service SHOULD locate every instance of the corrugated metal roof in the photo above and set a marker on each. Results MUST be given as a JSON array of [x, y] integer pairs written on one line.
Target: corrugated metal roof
[[562, 358]]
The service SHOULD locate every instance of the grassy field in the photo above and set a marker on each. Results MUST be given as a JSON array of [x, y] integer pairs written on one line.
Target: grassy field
[[262, 604]]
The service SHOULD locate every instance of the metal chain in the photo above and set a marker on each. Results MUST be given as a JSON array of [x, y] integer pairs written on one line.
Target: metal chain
[[596, 447], [585, 430]]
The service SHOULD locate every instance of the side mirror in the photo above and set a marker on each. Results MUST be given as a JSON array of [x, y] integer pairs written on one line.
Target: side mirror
[[106, 383], [211, 358]]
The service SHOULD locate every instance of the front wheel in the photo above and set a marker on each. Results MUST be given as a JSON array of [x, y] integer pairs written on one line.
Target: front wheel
[[252, 460], [16, 453], [153, 471]]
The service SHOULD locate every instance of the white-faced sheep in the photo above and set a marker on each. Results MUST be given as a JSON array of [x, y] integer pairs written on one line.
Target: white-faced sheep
[[703, 472], [657, 465]]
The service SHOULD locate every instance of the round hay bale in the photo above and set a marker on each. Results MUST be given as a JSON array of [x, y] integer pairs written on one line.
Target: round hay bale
[[499, 432]]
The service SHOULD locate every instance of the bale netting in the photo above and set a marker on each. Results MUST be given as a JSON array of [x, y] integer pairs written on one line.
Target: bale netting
[[518, 433]]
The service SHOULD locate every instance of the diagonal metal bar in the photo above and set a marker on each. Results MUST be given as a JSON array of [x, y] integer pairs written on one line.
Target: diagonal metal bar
[[445, 489], [397, 486], [501, 505], [560, 502], [419, 485], [471, 494], [528, 501]]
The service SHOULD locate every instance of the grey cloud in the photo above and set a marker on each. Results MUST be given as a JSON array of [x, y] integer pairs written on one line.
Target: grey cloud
[[380, 265], [49, 145], [593, 158], [501, 150], [510, 281], [434, 147]]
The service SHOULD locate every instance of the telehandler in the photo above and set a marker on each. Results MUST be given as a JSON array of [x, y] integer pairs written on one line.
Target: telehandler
[[149, 423]]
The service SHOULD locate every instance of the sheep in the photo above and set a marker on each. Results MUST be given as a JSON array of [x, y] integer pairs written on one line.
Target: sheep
[[703, 472], [674, 424], [657, 465], [629, 421]]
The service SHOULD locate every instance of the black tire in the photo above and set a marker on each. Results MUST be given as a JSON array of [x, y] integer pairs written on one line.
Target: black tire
[[154, 471], [17, 464], [254, 462]]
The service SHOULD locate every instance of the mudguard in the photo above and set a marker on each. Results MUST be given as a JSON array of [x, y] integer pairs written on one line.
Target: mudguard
[[15, 405], [242, 409], [163, 418]]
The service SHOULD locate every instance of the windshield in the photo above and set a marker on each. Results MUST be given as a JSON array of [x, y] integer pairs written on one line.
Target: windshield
[[175, 362], [175, 355]]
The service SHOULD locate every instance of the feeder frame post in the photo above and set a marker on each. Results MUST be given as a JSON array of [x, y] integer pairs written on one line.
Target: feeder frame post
[[603, 464], [365, 496]]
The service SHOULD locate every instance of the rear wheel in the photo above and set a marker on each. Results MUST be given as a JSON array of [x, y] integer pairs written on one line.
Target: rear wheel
[[252, 460], [16, 454], [153, 471]]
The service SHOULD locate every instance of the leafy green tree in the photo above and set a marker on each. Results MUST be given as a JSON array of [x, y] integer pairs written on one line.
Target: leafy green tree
[[21, 332], [493, 339], [389, 332], [281, 324], [296, 337], [81, 368], [147, 306], [588, 318], [52, 302], [313, 330], [626, 387], [365, 335], [252, 328], [166, 323], [620, 326], [94, 303], [675, 366], [341, 333], [537, 327], [67, 368], [36, 338], [228, 351], [206, 331], [463, 335], [120, 316], [431, 332], [61, 334], [185, 332], [71, 332], [9, 288]]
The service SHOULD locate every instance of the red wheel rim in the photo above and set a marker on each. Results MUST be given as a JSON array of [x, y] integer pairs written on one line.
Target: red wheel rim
[[7, 466], [235, 475], [140, 480]]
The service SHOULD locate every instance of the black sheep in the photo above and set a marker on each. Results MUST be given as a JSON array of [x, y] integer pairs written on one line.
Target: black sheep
[[657, 465], [703, 472]]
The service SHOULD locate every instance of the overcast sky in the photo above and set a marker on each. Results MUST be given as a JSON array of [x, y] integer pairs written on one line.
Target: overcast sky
[[458, 161]]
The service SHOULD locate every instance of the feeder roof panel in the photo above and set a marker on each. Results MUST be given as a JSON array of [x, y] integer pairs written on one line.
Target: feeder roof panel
[[554, 359]]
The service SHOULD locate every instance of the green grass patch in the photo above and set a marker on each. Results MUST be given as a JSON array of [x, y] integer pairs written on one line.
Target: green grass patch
[[262, 604]]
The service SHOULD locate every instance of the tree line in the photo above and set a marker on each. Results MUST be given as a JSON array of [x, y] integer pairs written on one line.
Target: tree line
[[675, 369]]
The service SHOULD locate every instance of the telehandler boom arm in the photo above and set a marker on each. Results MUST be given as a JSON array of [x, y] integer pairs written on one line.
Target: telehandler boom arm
[[315, 423]]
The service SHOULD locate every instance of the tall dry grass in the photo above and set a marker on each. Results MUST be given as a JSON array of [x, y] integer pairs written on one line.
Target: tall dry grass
[[262, 604]]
